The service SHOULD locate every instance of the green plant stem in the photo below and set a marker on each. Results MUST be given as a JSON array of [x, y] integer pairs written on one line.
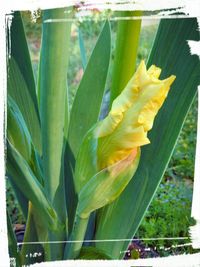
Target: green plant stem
[[128, 33], [52, 94], [73, 249], [53, 87]]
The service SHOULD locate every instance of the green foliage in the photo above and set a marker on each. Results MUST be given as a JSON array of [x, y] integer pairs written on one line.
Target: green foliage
[[13, 208], [20, 82], [23, 177], [90, 29], [33, 30], [167, 126], [12, 242], [147, 36], [32, 27], [82, 119], [169, 215], [183, 158], [91, 253]]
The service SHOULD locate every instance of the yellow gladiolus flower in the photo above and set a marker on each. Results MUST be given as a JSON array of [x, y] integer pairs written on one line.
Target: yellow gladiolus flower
[[113, 145], [131, 116]]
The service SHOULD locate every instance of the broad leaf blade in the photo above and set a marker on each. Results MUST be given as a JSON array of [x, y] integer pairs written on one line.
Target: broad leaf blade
[[85, 110], [19, 51], [97, 187], [21, 84], [36, 231], [17, 132], [53, 87], [24, 178], [12, 242], [92, 253], [87, 103], [22, 200], [170, 52], [56, 29]]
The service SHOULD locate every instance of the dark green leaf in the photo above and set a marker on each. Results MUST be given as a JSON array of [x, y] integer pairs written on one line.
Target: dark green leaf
[[170, 52], [35, 231], [24, 178], [87, 103], [12, 242], [86, 109], [17, 132], [92, 253], [22, 200], [21, 84]]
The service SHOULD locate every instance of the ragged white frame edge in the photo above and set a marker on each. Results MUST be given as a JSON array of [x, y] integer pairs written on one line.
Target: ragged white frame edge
[[189, 7]]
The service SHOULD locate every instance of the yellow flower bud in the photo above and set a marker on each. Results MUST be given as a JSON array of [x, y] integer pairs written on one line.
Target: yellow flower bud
[[131, 116], [110, 153]]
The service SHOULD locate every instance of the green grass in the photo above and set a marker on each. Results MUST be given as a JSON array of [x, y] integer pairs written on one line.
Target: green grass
[[13, 206], [182, 162], [168, 216]]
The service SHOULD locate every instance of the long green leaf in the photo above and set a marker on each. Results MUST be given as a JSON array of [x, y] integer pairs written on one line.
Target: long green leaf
[[17, 132], [19, 136], [12, 242], [53, 108], [170, 52], [86, 109], [19, 47], [21, 84], [22, 200], [91, 253], [53, 86], [87, 103], [24, 178], [32, 235]]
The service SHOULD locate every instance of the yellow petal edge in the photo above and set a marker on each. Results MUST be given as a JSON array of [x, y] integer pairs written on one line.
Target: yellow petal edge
[[131, 116]]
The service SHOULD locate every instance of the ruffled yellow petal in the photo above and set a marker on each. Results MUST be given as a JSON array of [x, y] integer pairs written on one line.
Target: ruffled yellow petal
[[154, 71], [120, 144], [150, 109], [132, 115]]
